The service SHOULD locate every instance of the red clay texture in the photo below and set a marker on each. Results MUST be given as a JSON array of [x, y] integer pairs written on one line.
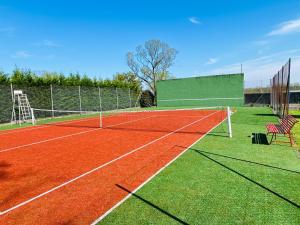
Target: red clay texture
[[76, 179]]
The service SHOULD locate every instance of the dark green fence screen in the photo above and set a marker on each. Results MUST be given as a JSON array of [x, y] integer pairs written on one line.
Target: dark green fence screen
[[216, 90]]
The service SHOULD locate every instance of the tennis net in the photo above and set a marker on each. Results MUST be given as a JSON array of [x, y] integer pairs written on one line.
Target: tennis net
[[135, 116]]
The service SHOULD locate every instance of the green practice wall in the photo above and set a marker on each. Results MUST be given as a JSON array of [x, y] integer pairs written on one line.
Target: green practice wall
[[216, 90]]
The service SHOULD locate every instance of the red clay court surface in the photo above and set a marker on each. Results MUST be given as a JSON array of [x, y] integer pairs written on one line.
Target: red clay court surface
[[68, 172]]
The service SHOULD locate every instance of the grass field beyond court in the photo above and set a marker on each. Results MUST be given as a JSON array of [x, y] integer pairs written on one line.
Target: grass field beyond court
[[222, 181], [296, 113]]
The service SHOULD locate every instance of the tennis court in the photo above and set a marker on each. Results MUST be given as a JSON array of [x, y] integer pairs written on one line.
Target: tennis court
[[58, 172]]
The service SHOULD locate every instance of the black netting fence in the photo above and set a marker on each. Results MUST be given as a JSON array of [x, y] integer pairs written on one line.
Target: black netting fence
[[77, 98], [5, 103], [280, 89]]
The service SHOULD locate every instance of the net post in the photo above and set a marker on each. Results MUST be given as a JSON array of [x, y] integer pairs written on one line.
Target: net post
[[79, 93], [229, 121], [19, 120], [32, 116], [52, 105]]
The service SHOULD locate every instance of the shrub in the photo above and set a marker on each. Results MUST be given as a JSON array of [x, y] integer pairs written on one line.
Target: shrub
[[147, 99]]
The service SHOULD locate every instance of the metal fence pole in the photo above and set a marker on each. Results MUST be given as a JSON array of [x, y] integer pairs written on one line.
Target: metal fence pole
[[52, 105], [13, 112], [79, 92], [138, 98], [100, 106], [117, 98], [129, 98]]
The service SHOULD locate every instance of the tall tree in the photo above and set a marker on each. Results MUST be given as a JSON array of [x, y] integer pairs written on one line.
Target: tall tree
[[150, 61]]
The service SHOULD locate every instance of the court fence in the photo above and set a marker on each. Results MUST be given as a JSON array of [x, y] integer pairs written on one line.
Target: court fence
[[77, 98], [280, 90]]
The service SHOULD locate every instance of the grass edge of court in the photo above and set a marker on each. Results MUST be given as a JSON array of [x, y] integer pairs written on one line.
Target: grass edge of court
[[289, 161], [98, 220]]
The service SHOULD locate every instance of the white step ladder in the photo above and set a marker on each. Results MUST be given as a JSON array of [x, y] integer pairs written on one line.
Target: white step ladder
[[25, 112]]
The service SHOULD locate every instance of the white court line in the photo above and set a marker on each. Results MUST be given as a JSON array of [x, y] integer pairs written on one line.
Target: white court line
[[69, 135], [181, 116], [99, 167], [150, 178], [198, 99]]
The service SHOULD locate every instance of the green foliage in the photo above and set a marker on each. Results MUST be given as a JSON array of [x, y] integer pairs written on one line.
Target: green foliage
[[129, 79], [29, 78], [296, 129], [165, 75], [3, 78], [147, 99]]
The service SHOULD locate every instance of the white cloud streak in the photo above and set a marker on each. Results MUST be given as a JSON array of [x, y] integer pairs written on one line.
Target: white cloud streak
[[194, 20], [260, 70], [21, 55], [286, 27], [46, 43], [212, 61], [261, 42]]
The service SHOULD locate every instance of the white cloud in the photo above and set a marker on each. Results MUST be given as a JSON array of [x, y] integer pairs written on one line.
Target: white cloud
[[212, 61], [261, 42], [286, 27], [46, 43], [194, 20], [260, 70], [21, 55], [7, 31]]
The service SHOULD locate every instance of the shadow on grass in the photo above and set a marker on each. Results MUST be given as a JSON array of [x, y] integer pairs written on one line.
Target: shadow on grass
[[249, 179], [243, 160], [205, 155], [265, 114], [260, 139], [152, 205], [296, 115]]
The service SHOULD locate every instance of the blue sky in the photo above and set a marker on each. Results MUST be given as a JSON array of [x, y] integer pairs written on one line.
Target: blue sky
[[93, 37]]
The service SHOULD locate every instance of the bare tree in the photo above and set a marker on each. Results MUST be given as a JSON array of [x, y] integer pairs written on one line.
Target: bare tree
[[150, 61]]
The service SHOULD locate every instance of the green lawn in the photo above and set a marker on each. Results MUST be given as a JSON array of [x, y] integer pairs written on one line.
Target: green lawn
[[296, 130], [222, 181]]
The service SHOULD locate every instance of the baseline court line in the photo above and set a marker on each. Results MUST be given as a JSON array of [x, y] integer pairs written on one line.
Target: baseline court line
[[101, 166]]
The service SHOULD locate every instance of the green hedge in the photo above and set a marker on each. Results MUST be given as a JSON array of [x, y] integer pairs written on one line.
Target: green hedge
[[65, 89]]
